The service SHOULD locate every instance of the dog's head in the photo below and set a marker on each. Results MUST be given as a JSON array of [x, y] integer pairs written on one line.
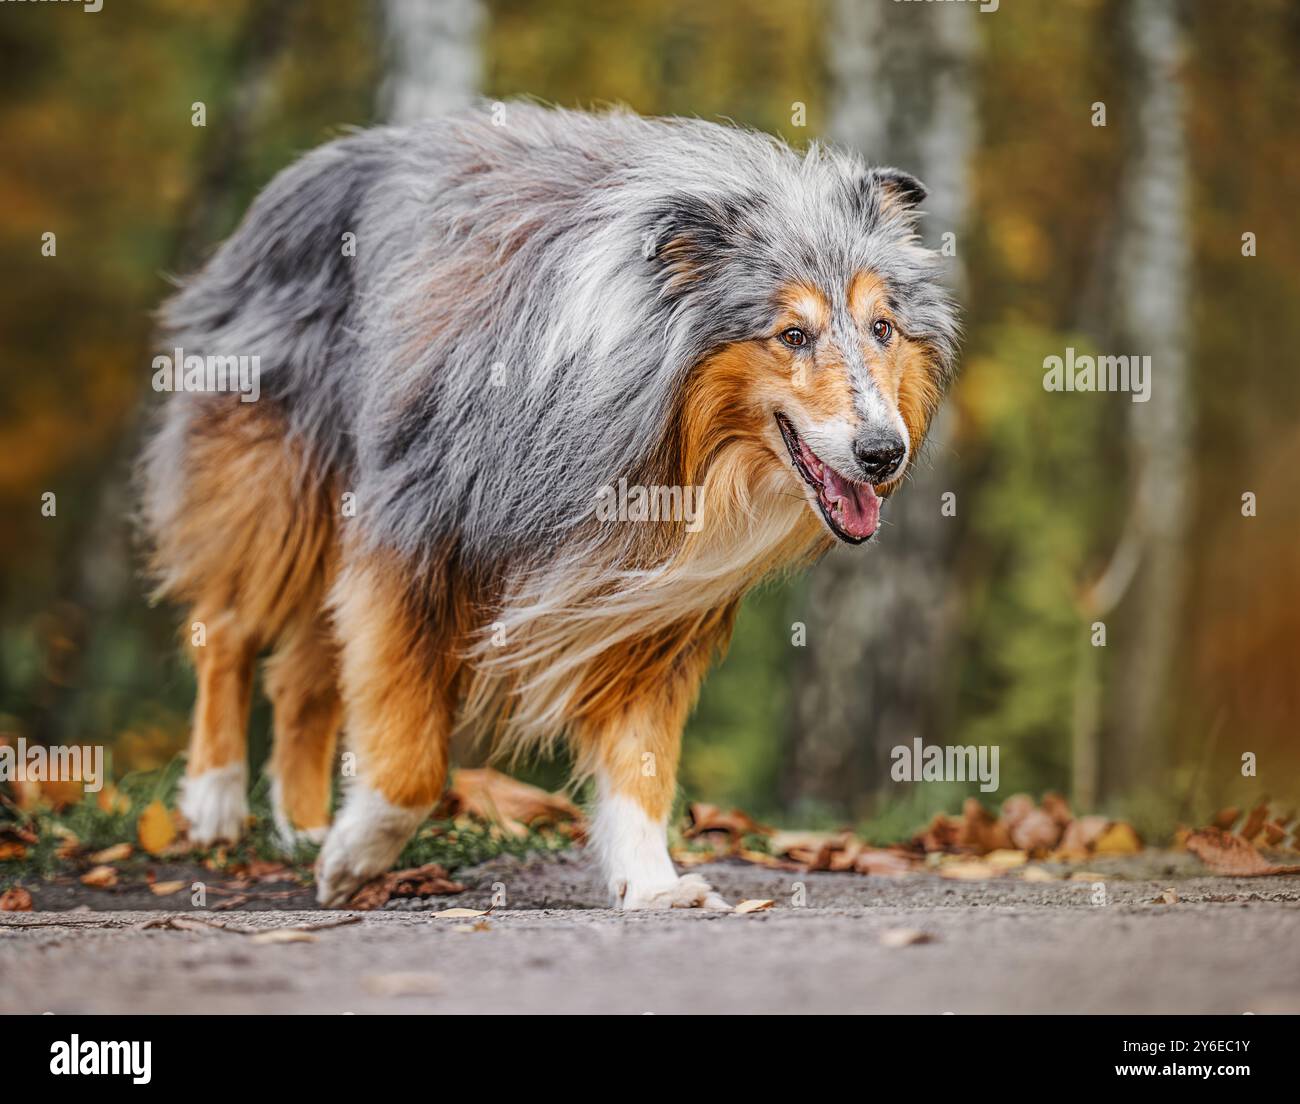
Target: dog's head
[[824, 338]]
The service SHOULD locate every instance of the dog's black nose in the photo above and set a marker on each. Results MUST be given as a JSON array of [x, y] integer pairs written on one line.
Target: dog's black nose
[[879, 457]]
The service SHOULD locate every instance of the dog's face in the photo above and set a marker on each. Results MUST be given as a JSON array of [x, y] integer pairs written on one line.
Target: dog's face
[[847, 337]]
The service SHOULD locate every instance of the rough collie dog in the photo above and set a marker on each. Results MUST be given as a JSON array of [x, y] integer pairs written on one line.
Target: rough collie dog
[[468, 332]]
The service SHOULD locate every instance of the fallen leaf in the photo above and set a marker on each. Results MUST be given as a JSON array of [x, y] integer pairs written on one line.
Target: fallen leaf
[[1004, 859], [111, 800], [15, 899], [116, 853], [904, 937], [429, 880], [1225, 853], [155, 828], [890, 864], [402, 985], [166, 889], [1255, 821], [1118, 839], [101, 877], [284, 935], [1226, 818], [1035, 831], [709, 818], [1037, 874], [753, 906], [1081, 836], [12, 851], [1168, 897], [458, 913], [1087, 876], [968, 871], [1055, 806], [492, 796]]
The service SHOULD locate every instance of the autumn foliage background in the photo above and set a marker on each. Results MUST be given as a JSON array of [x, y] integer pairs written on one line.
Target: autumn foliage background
[[99, 149]]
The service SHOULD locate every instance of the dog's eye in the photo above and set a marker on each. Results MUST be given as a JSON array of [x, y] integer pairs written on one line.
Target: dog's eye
[[795, 337], [882, 330]]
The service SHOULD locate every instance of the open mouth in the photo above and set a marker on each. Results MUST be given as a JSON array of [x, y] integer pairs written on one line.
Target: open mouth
[[851, 510]]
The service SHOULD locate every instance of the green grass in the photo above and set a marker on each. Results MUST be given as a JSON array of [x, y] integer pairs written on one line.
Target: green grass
[[451, 844]]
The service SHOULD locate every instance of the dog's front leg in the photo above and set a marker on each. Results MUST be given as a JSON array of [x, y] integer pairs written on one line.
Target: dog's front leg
[[634, 759]]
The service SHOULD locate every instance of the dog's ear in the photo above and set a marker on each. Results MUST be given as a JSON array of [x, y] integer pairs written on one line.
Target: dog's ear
[[892, 190], [686, 235]]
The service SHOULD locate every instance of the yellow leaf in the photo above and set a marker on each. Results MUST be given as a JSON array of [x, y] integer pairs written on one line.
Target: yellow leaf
[[1037, 874], [101, 877], [1005, 859], [116, 853], [166, 889], [1118, 839], [969, 871], [155, 829], [753, 906]]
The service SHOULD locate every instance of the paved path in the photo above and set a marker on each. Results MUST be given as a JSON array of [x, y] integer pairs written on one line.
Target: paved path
[[1228, 945]]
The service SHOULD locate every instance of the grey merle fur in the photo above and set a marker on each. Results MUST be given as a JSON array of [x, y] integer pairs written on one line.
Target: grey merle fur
[[518, 318]]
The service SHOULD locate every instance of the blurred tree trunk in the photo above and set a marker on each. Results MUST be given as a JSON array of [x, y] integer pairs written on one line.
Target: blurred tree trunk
[[877, 618], [434, 57], [1154, 272]]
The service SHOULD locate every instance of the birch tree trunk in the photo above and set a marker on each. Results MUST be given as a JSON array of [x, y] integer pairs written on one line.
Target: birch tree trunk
[[877, 617], [1153, 285], [434, 62]]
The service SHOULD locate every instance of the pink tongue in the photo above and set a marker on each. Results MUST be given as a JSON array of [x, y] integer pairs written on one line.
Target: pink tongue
[[854, 506]]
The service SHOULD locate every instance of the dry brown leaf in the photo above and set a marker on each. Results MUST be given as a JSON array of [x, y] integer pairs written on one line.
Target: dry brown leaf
[[1119, 838], [12, 851], [458, 913], [1225, 853], [709, 818], [1081, 836], [1055, 806], [166, 889], [979, 831], [1226, 818], [1168, 897], [116, 853], [284, 935], [492, 796], [155, 829], [904, 937], [429, 880], [1035, 831], [101, 877], [15, 899], [881, 861], [752, 906], [1255, 821]]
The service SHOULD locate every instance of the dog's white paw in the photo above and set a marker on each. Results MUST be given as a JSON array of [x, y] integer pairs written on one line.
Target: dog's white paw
[[367, 836], [216, 804], [688, 891]]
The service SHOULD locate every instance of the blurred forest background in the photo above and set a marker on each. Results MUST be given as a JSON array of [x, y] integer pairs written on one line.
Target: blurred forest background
[[972, 628]]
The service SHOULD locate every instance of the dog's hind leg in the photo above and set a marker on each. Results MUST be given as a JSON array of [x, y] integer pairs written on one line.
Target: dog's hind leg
[[214, 791], [301, 679], [398, 687]]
